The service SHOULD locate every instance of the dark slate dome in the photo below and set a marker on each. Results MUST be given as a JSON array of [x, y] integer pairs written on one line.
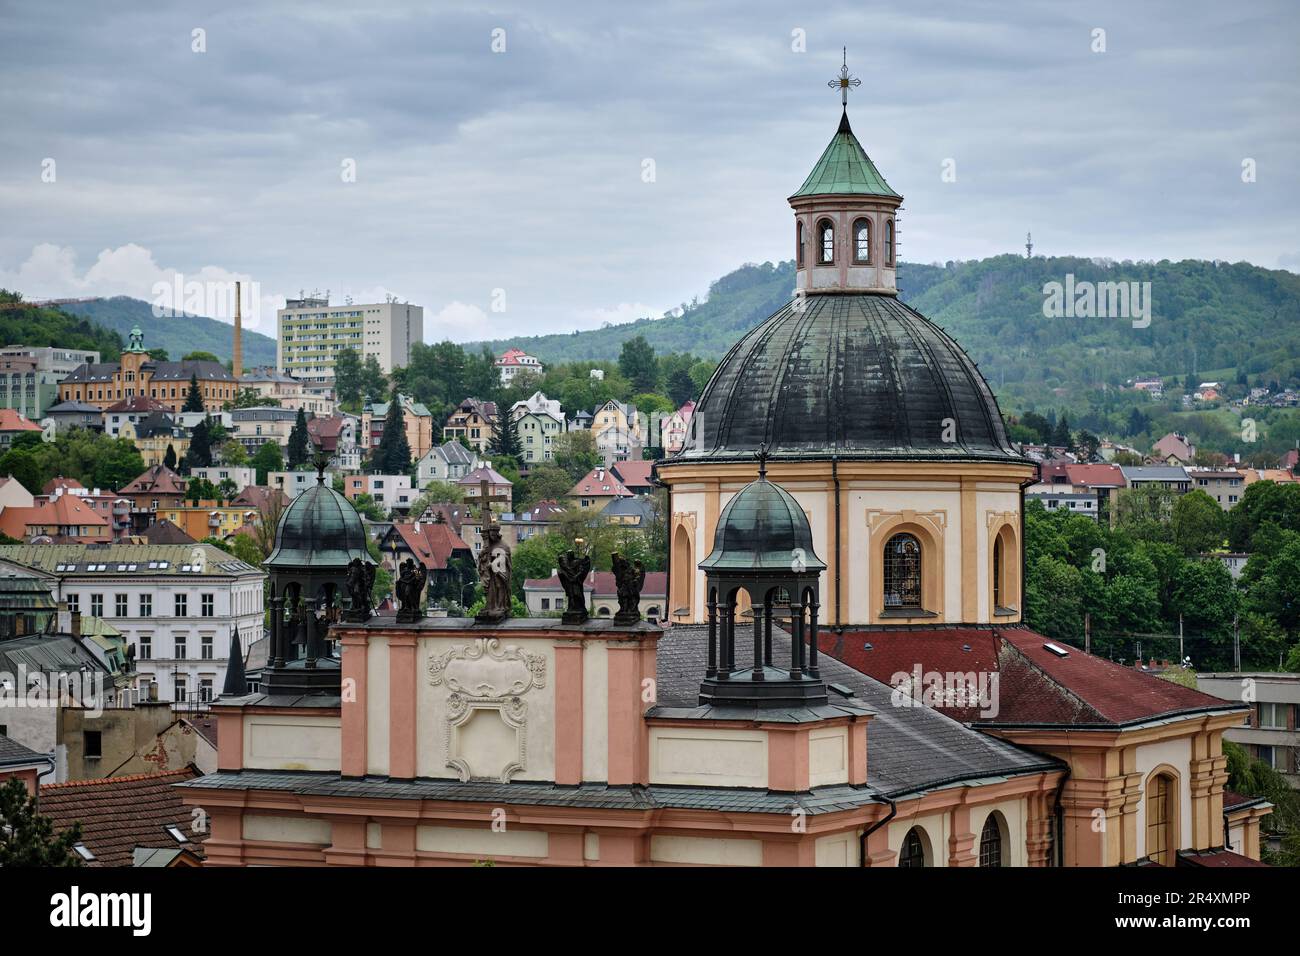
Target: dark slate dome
[[859, 376], [762, 529], [320, 529]]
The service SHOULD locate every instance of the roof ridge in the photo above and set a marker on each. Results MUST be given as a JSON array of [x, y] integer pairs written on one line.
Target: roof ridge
[[129, 778]]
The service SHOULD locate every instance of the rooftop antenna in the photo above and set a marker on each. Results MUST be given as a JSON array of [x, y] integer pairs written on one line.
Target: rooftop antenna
[[1029, 245]]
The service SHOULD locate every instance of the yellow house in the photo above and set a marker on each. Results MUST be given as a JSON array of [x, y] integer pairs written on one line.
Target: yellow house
[[209, 519], [153, 436]]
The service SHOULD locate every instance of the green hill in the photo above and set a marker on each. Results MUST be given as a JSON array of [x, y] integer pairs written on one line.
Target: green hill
[[22, 324], [179, 335], [1207, 318]]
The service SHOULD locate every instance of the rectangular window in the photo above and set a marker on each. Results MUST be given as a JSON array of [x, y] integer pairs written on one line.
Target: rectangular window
[[119, 605], [207, 605], [97, 605], [146, 647], [205, 647], [146, 605], [182, 605], [74, 603], [182, 689], [181, 648], [1272, 716], [92, 744], [205, 690]]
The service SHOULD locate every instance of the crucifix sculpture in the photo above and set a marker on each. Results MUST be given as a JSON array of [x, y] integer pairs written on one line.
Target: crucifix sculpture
[[487, 500], [844, 81]]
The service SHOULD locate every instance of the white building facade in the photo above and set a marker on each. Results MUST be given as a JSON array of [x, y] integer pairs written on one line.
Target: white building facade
[[311, 333]]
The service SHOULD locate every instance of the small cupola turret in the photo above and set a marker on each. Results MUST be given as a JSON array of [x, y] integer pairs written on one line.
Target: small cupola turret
[[845, 216]]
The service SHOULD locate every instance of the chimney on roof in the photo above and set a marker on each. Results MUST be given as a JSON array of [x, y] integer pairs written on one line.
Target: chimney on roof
[[237, 354], [74, 624]]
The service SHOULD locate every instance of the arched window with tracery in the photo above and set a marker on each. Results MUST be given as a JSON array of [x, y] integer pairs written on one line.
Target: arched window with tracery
[[912, 853], [991, 842], [902, 572], [826, 236], [862, 242]]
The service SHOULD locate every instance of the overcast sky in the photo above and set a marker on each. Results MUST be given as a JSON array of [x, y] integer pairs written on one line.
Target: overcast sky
[[525, 170]]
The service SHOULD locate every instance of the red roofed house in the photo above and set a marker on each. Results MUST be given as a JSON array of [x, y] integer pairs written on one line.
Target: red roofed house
[[596, 489], [515, 361], [67, 518], [157, 487], [635, 475], [13, 424], [435, 545], [545, 596]]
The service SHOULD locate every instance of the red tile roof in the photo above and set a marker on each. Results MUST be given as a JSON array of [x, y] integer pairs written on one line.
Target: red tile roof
[[60, 482], [1035, 686], [118, 814], [634, 474], [11, 421], [600, 483], [64, 511], [1095, 475], [156, 480], [1215, 858], [136, 404], [434, 544]]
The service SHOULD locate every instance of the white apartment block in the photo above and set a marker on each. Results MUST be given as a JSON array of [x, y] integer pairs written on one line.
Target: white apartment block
[[241, 475], [177, 605], [311, 333]]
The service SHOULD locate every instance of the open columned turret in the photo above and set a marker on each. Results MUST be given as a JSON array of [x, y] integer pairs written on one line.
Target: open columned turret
[[763, 547]]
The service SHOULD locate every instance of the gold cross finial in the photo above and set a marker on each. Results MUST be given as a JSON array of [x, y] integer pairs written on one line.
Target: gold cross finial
[[844, 81]]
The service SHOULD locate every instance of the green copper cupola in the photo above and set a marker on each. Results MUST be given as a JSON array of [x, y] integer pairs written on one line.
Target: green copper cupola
[[845, 216]]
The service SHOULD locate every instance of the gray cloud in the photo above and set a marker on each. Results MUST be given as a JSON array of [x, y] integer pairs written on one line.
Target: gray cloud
[[522, 170]]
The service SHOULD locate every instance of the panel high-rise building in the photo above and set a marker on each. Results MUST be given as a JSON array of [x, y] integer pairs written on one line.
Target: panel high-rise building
[[311, 333]]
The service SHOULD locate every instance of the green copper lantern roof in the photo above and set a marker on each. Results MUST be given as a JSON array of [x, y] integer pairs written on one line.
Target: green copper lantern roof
[[845, 167], [762, 529], [320, 530]]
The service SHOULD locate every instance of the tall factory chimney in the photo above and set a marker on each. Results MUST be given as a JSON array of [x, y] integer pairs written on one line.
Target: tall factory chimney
[[237, 359]]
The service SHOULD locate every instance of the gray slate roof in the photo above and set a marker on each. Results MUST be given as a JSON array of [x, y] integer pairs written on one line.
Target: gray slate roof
[[12, 753], [909, 749], [1153, 473]]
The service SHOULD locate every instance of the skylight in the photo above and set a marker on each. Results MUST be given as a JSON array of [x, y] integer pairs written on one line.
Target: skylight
[[83, 851], [175, 834], [1056, 649]]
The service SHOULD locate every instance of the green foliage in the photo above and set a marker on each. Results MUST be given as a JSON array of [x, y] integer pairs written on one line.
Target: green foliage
[[54, 326], [193, 397], [393, 456], [92, 458], [575, 453], [368, 507], [505, 440], [169, 459], [27, 839], [1199, 524], [637, 363], [347, 377], [234, 453], [545, 481], [199, 454], [299, 448], [250, 398], [267, 458], [199, 355]]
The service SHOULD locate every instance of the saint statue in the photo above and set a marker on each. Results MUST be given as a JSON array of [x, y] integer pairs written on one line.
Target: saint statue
[[494, 574], [361, 582], [410, 585], [629, 577], [574, 569]]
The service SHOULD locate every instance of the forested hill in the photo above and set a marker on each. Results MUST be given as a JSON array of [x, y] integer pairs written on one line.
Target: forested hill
[[179, 335], [23, 324], [1207, 320]]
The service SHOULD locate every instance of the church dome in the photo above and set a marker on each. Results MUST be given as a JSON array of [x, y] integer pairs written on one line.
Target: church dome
[[857, 376], [319, 530], [762, 529]]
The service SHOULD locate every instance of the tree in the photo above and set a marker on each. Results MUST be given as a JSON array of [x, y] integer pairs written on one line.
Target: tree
[[200, 453], [545, 481], [1061, 433], [637, 363], [250, 398], [436, 493], [169, 459], [368, 507], [269, 521], [27, 839], [681, 387], [575, 452], [347, 377], [373, 380], [200, 356], [158, 355], [118, 463], [233, 453], [393, 456], [299, 442], [266, 459], [193, 398], [1199, 524], [505, 439]]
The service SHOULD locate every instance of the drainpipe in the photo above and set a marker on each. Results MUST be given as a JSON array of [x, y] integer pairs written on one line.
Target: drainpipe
[[862, 840], [1058, 848], [835, 473]]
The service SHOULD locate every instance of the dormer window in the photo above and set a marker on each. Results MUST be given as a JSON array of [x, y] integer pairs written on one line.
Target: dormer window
[[862, 242], [826, 232]]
